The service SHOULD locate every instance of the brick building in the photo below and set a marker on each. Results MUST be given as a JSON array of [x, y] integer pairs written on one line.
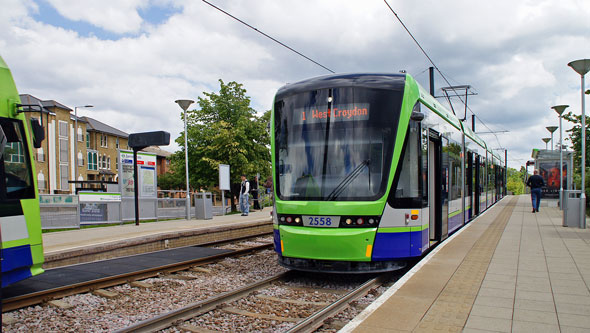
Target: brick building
[[95, 150]]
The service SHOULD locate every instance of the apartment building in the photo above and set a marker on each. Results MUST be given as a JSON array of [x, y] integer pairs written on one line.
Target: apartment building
[[88, 152]]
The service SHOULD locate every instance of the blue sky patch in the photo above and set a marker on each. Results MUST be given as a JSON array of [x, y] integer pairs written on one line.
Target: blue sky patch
[[47, 14]]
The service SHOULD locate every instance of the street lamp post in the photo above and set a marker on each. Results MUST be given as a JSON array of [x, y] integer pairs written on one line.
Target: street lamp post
[[582, 67], [184, 104], [559, 109], [546, 140], [551, 129], [76, 141]]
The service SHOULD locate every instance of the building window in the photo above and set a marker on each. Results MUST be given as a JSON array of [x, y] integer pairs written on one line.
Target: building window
[[80, 159], [80, 136], [117, 143], [87, 140], [41, 182], [63, 129], [117, 163], [104, 142], [63, 176], [40, 155], [109, 163], [92, 157]]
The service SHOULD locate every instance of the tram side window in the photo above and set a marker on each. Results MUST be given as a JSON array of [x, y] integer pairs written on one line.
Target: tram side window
[[409, 190], [15, 168]]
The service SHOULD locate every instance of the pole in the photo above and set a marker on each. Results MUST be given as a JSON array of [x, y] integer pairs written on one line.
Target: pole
[[75, 148], [560, 166], [551, 141], [188, 199], [583, 195], [136, 186], [223, 202], [431, 76]]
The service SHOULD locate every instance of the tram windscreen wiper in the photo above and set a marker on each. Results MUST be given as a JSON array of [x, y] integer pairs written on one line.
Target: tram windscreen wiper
[[347, 180]]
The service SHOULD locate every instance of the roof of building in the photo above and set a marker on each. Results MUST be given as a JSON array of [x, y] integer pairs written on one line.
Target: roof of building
[[97, 126], [158, 151]]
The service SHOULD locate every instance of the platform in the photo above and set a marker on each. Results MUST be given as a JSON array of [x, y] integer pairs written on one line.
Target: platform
[[507, 271], [86, 245]]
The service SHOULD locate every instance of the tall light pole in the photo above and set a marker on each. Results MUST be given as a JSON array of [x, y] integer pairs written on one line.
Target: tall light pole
[[551, 129], [184, 104], [76, 141], [546, 140], [582, 67], [559, 109]]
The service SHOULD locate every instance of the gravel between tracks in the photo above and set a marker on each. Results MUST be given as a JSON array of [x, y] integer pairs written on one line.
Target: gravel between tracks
[[92, 313]]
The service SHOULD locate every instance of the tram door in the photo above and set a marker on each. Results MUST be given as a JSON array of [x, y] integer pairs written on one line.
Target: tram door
[[469, 182], [437, 203], [477, 191]]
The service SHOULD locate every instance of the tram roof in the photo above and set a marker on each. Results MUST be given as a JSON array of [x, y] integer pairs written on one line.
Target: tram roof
[[367, 80], [438, 108]]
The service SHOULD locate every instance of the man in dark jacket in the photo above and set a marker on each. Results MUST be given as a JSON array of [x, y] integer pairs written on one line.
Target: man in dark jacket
[[535, 182]]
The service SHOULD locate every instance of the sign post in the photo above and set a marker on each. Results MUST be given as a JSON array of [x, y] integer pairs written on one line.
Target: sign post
[[138, 141], [223, 183]]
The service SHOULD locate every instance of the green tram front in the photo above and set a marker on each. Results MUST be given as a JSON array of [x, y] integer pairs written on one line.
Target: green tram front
[[334, 159]]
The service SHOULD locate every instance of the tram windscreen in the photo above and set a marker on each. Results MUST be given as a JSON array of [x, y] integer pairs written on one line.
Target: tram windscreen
[[335, 144]]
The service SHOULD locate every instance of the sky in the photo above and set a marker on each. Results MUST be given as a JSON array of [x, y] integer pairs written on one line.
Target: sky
[[132, 59]]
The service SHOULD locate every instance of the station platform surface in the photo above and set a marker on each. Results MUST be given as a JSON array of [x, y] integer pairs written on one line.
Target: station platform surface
[[510, 270], [56, 242]]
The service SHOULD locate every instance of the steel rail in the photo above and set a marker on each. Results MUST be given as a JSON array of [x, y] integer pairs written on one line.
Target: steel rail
[[316, 320], [166, 320], [21, 301]]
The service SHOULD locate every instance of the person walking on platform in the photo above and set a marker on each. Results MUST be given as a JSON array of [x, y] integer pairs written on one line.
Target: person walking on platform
[[244, 196], [255, 193], [535, 182]]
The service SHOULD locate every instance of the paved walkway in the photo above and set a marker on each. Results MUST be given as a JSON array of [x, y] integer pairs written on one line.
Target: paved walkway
[[509, 271], [73, 239]]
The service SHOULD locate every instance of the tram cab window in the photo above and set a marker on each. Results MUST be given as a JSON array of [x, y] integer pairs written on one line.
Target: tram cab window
[[411, 179], [15, 166]]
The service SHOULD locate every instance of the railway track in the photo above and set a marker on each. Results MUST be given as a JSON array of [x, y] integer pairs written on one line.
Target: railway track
[[254, 300], [13, 303]]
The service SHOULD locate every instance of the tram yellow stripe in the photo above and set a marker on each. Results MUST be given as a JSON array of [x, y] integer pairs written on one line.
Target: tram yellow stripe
[[282, 246], [369, 251]]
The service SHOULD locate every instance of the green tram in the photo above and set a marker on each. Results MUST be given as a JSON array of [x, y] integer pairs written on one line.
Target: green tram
[[370, 171], [20, 221]]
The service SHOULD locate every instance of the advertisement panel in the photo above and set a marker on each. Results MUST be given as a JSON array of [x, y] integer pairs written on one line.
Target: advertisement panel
[[146, 174]]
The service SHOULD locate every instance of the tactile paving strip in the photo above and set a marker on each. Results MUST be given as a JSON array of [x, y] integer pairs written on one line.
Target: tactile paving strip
[[450, 310]]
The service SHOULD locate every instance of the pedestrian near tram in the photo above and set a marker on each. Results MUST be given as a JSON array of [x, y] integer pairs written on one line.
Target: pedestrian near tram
[[244, 196], [535, 182]]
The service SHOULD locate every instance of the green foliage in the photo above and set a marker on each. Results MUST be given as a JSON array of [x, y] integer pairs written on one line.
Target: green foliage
[[576, 140], [224, 130], [516, 181], [171, 181]]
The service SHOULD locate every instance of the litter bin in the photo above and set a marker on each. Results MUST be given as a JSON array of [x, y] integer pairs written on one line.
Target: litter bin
[[571, 208], [203, 206]]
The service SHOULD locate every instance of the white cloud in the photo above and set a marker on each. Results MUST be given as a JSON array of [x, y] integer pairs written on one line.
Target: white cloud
[[118, 16], [513, 53]]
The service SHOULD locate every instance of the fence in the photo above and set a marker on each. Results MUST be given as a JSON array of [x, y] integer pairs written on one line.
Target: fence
[[70, 211]]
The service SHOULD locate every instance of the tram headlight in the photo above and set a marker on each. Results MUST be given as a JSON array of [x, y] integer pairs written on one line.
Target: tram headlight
[[289, 219], [359, 221], [297, 220]]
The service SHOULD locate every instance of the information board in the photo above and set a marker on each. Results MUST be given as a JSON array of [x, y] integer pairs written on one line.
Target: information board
[[146, 174]]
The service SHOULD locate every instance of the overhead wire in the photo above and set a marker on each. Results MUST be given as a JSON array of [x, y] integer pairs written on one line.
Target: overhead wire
[[438, 70], [269, 37]]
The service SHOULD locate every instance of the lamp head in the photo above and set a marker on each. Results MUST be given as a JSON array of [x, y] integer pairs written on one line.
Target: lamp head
[[546, 140], [551, 128], [184, 103], [581, 66], [559, 109]]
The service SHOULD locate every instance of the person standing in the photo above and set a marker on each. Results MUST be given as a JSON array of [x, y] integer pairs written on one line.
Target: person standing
[[244, 196], [255, 193], [535, 182]]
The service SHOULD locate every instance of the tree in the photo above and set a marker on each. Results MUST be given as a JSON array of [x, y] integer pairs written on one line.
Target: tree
[[576, 140], [224, 130], [516, 180]]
